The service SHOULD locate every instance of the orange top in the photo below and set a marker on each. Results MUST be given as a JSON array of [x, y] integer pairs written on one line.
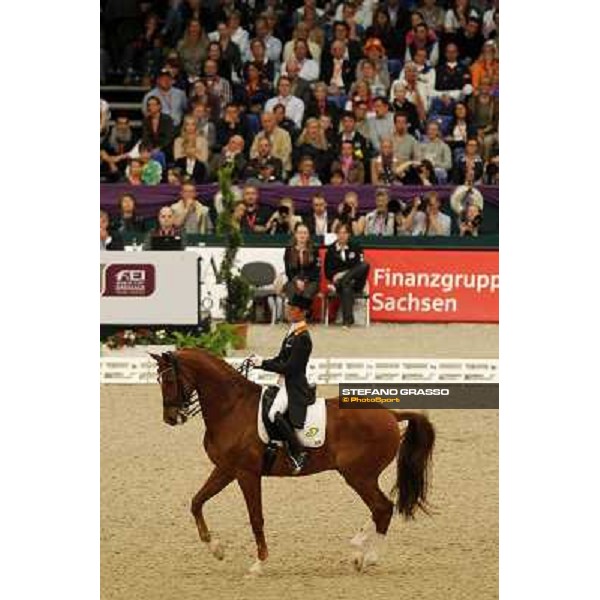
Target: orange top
[[481, 69]]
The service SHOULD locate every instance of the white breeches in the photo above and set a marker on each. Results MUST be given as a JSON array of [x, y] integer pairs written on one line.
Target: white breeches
[[280, 404]]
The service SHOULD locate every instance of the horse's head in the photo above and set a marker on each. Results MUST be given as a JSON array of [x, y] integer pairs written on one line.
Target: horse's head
[[180, 400]]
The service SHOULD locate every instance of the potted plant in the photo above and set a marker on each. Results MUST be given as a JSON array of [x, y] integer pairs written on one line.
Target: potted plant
[[239, 291]]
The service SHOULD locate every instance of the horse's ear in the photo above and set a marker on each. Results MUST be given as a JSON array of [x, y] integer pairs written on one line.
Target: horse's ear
[[156, 357]]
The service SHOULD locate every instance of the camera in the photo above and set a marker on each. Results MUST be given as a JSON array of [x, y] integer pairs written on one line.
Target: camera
[[284, 211]]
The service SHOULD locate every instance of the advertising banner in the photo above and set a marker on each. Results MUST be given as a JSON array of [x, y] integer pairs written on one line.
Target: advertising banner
[[148, 288], [433, 285]]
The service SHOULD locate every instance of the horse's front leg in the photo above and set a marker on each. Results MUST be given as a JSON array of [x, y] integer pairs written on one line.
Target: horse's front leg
[[217, 481], [250, 485]]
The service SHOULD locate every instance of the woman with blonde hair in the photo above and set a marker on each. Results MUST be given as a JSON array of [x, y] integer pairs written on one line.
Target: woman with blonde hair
[[312, 142], [193, 48], [190, 136]]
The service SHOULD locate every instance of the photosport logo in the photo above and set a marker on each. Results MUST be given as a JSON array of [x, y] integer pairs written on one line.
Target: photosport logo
[[129, 280]]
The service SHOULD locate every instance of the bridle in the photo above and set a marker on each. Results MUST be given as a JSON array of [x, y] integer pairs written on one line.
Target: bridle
[[187, 400]]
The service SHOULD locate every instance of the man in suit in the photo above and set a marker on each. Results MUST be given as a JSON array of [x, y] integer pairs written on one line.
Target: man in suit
[[192, 169], [319, 221], [294, 394]]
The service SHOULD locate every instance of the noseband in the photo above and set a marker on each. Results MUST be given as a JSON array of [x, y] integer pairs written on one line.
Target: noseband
[[187, 400]]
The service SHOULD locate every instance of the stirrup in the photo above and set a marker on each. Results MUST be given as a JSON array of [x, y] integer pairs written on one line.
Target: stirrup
[[298, 462]]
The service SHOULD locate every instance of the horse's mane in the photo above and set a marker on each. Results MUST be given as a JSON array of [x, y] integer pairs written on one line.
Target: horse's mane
[[230, 373]]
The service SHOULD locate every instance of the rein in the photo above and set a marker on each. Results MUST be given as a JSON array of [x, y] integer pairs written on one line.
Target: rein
[[187, 398]]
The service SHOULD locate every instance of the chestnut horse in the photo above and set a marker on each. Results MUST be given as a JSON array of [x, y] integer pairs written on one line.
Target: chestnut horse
[[359, 445]]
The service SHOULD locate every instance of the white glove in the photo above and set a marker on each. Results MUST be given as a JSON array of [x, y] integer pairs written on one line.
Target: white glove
[[256, 360]]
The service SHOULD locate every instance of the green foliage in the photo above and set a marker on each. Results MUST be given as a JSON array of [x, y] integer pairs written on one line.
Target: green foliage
[[239, 290]]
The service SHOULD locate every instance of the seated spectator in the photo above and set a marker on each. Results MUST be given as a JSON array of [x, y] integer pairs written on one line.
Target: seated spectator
[[239, 35], [193, 48], [376, 53], [346, 270], [273, 45], [300, 13], [382, 124], [417, 92], [348, 133], [233, 153], [433, 15], [259, 59], [486, 67], [401, 104], [460, 129], [109, 240], [158, 130], [470, 221], [306, 175], [435, 150], [313, 143], [422, 38], [385, 168], [417, 172], [301, 68], [367, 72], [360, 112], [319, 106], [191, 168], [425, 73], [115, 148], [302, 265], [483, 108], [405, 216], [230, 51], [361, 93], [469, 165], [294, 107], [283, 220], [189, 214], [380, 221], [301, 32], [237, 215], [152, 170], [319, 221], [353, 50], [348, 214], [491, 21], [470, 40], [127, 221], [383, 30], [405, 146], [337, 71], [224, 67], [217, 87], [190, 137], [264, 167], [144, 51], [133, 172], [232, 123], [204, 126], [358, 14], [255, 91], [284, 122], [462, 199], [452, 81], [256, 216], [174, 176], [352, 168], [178, 75], [165, 228], [172, 101], [281, 143], [432, 221]]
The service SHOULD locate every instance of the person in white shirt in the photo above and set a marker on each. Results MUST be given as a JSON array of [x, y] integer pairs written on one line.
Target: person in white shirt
[[417, 91], [294, 107], [300, 65], [272, 44], [301, 32], [239, 36], [432, 221], [363, 15]]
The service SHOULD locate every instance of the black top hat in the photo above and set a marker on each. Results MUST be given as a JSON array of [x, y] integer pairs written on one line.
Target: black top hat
[[300, 302]]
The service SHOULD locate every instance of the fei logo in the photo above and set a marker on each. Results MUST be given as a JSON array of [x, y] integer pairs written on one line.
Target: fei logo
[[129, 280]]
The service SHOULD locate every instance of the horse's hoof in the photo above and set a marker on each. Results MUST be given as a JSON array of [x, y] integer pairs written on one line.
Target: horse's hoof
[[217, 549], [358, 559], [370, 558], [256, 570]]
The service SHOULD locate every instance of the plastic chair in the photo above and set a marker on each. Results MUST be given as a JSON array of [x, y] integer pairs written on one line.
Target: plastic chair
[[261, 275]]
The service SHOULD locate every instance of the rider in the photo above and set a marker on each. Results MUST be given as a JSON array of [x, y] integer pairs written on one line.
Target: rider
[[291, 363]]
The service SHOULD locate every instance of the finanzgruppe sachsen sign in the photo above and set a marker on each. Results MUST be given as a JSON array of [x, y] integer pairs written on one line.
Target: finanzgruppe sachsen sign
[[440, 285]]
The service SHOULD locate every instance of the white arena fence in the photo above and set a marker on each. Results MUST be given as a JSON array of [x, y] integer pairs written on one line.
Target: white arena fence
[[331, 371]]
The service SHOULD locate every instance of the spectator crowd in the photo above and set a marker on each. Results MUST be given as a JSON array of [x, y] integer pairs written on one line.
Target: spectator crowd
[[306, 93]]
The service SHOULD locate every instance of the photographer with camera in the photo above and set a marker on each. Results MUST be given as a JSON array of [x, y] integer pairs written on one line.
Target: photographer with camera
[[404, 215], [283, 220], [467, 204], [348, 215], [380, 221], [432, 221]]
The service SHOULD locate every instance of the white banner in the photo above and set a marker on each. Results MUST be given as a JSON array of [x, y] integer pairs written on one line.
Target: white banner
[[148, 288]]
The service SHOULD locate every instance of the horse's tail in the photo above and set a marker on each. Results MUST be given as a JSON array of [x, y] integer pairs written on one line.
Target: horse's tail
[[414, 458]]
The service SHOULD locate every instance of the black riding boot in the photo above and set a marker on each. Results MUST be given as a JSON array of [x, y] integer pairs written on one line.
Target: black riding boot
[[296, 454]]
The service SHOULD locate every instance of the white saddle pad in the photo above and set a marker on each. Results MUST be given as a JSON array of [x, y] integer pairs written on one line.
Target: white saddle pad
[[313, 433]]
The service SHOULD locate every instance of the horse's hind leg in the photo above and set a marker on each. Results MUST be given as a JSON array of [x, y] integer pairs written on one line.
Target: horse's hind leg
[[382, 508], [217, 481]]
